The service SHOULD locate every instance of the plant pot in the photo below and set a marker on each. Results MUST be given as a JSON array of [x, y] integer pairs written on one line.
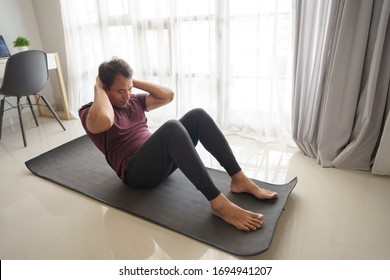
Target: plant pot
[[22, 49]]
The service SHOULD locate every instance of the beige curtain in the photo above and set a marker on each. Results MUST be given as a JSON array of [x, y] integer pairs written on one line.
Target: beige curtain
[[341, 90]]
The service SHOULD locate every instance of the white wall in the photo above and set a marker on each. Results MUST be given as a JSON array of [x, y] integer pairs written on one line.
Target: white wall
[[40, 21], [49, 21], [17, 17]]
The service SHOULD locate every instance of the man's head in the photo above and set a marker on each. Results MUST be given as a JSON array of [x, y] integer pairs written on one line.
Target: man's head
[[109, 70], [116, 76]]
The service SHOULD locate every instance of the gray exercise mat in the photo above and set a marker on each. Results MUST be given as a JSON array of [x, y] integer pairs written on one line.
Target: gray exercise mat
[[175, 204]]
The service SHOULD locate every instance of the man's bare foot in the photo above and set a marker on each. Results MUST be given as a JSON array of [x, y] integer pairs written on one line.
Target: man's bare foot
[[231, 213], [242, 184]]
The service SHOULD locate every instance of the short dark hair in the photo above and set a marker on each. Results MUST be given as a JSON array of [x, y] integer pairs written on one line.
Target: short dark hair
[[109, 70]]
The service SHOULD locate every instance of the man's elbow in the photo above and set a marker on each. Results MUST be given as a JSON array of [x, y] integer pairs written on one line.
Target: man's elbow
[[99, 125], [170, 96]]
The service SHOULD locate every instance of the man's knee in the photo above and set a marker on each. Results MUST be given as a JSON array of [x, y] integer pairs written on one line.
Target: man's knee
[[174, 128], [200, 112], [172, 125], [197, 115]]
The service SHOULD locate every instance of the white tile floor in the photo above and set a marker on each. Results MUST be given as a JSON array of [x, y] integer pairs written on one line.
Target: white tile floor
[[331, 214]]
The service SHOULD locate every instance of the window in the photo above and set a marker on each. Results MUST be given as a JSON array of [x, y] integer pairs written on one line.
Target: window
[[231, 57]]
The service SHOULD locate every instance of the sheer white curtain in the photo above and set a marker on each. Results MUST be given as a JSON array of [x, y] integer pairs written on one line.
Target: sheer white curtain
[[231, 57], [342, 75]]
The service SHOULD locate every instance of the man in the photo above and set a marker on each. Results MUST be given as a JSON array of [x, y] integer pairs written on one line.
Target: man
[[116, 123]]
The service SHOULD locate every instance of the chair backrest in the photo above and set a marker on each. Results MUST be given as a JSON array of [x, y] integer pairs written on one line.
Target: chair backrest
[[25, 73]]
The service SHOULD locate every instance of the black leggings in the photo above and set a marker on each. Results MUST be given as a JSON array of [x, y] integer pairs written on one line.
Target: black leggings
[[173, 146]]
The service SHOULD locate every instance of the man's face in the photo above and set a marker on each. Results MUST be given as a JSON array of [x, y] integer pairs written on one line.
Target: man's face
[[120, 91]]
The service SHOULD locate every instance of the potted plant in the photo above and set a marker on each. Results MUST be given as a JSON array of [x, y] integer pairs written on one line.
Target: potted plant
[[22, 43]]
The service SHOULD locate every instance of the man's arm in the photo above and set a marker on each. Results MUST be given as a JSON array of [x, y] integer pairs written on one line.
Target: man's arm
[[158, 95], [100, 117]]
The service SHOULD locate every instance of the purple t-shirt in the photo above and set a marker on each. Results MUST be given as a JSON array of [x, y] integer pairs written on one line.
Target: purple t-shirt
[[123, 139]]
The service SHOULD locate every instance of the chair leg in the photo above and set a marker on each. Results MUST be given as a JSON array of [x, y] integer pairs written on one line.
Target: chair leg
[[21, 121], [1, 115], [53, 112], [32, 110]]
